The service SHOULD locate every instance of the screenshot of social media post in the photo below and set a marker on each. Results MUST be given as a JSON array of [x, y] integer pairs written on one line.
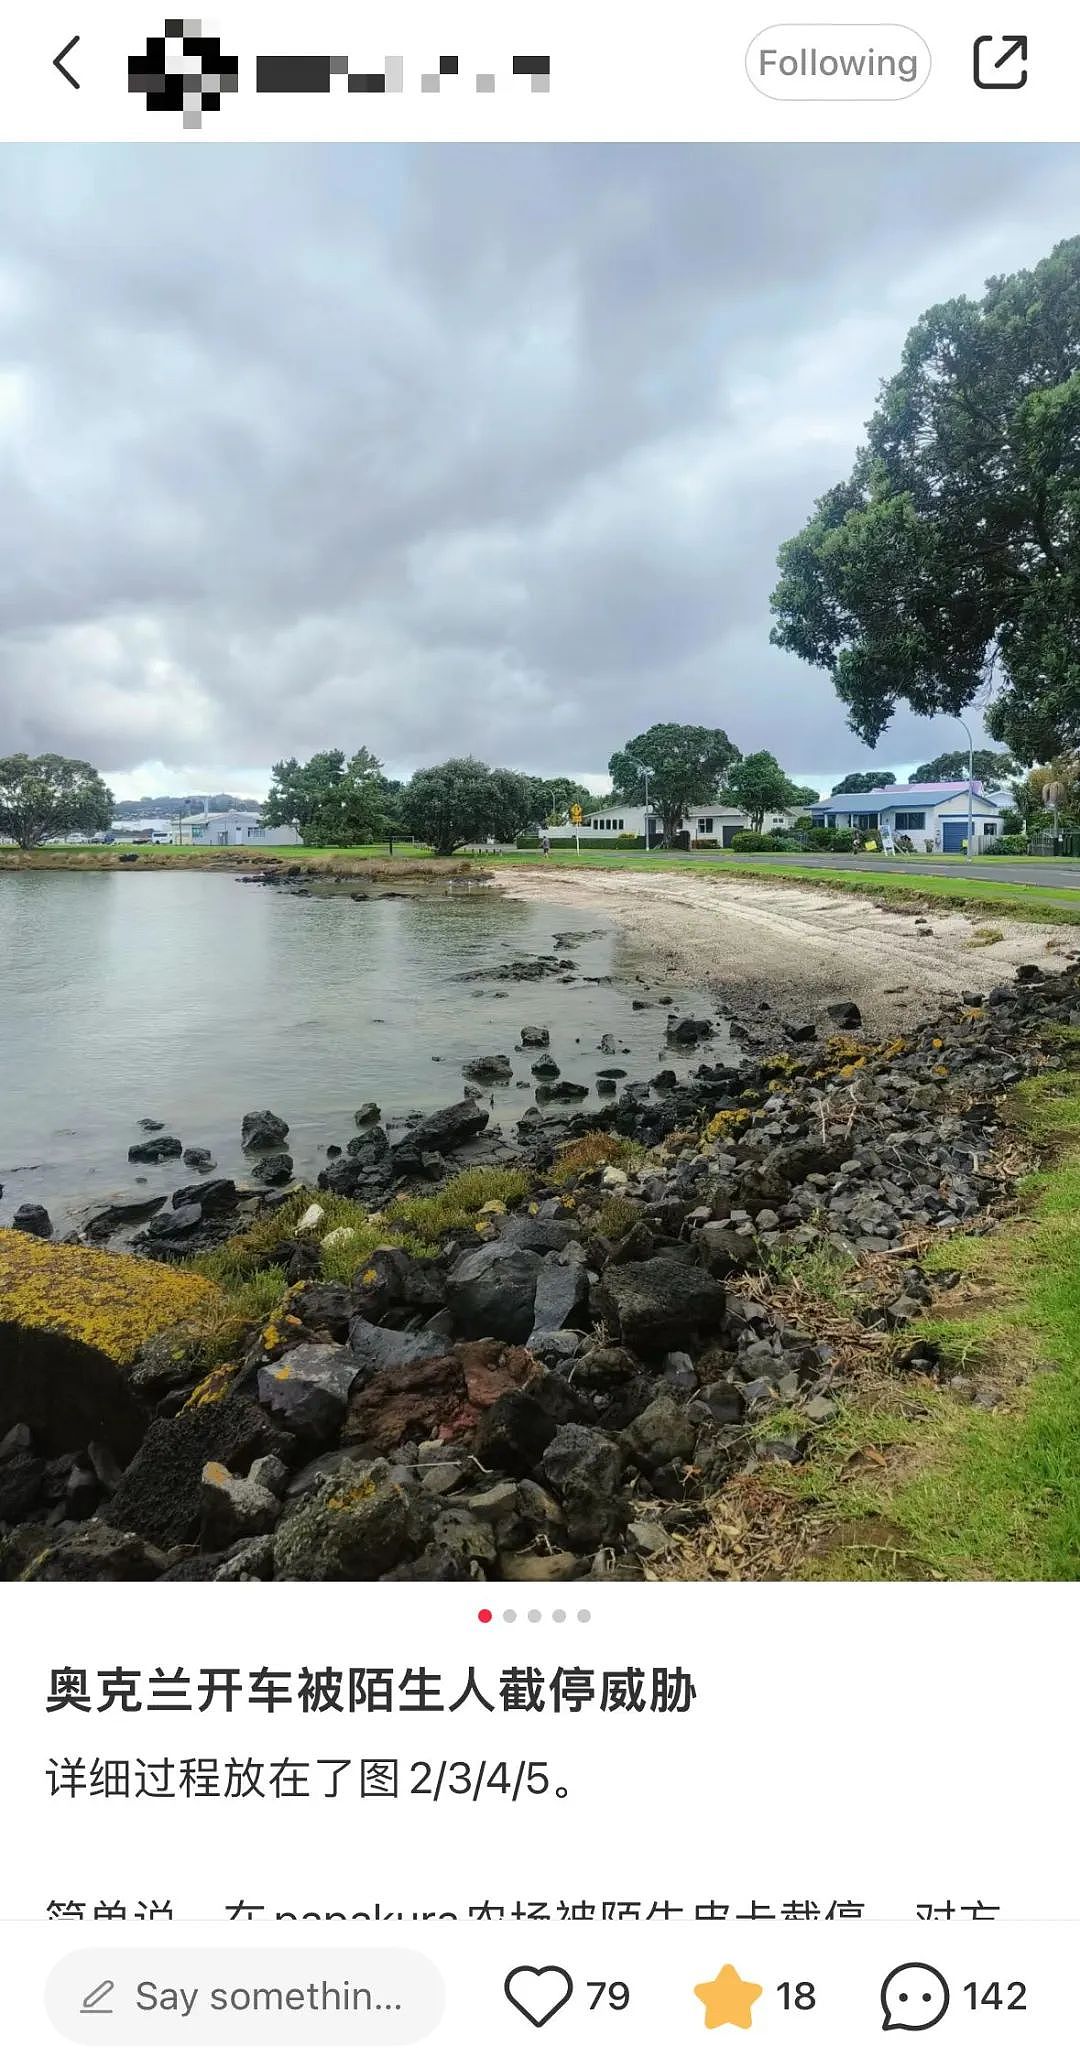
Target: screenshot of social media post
[[539, 1034]]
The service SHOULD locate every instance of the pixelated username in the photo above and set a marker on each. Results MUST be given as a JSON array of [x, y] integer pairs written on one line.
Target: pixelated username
[[185, 72], [318, 74]]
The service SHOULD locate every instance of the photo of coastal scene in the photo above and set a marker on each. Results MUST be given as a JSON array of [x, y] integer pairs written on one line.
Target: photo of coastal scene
[[540, 864]]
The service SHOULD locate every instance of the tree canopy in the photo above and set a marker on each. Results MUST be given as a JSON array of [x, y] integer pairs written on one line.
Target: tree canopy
[[49, 795], [458, 803], [687, 765], [947, 566], [863, 780], [757, 784], [987, 767], [335, 802]]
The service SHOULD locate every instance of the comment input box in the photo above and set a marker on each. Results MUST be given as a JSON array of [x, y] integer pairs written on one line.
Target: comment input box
[[351, 1996]]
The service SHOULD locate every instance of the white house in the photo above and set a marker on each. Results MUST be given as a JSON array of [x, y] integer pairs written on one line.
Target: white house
[[717, 822], [933, 815], [231, 829]]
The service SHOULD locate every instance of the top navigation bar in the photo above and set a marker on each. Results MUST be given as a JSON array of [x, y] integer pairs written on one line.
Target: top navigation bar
[[477, 70]]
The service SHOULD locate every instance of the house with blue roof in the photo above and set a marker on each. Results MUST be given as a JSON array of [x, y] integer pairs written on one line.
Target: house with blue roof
[[934, 816]]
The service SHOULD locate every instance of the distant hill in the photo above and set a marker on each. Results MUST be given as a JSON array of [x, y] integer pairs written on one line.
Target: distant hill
[[176, 807]]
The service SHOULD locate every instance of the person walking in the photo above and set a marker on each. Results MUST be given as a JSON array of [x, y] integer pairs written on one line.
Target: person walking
[[545, 842]]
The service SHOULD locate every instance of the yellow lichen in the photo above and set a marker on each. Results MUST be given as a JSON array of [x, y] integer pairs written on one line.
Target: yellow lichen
[[730, 1120], [350, 1496], [109, 1302], [211, 1389], [844, 1048]]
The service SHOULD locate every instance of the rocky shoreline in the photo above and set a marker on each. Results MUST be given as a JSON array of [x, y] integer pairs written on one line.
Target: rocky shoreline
[[171, 1223], [555, 1388]]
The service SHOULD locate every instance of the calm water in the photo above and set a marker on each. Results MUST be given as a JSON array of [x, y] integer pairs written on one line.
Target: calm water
[[190, 999]]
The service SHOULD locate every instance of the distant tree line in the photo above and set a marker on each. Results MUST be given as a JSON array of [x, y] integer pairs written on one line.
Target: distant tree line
[[139, 808], [340, 800]]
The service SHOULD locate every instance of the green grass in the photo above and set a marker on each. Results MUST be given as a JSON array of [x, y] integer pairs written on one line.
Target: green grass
[[427, 1217], [1047, 899], [972, 1492], [821, 1272], [243, 1269]]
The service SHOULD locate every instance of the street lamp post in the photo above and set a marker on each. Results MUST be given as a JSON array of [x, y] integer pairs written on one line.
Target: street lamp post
[[971, 786]]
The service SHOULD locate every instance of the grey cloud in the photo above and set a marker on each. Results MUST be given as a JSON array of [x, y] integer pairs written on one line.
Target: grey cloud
[[443, 448]]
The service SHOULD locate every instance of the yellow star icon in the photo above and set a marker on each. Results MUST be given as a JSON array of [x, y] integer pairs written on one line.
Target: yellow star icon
[[728, 1999]]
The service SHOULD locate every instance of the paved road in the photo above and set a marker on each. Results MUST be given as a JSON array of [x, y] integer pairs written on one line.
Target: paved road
[[1062, 875]]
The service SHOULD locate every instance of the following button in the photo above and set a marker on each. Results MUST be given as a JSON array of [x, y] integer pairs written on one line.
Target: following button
[[838, 61]]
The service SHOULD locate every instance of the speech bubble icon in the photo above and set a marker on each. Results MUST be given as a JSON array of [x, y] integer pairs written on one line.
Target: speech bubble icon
[[914, 1997]]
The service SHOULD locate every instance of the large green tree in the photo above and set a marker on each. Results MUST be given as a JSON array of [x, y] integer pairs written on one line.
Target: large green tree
[[863, 780], [757, 784], [459, 803], [987, 767], [687, 765], [335, 802], [47, 795], [947, 566]]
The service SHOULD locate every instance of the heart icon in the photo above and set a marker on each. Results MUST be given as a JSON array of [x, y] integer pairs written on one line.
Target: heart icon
[[538, 1992]]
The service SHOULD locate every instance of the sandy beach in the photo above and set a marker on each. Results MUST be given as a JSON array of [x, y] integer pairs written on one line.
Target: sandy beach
[[757, 942]]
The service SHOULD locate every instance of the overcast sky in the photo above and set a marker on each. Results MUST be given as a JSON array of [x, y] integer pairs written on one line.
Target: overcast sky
[[450, 450]]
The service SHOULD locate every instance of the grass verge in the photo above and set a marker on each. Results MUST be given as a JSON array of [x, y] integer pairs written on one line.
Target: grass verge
[[1012, 900], [920, 1479]]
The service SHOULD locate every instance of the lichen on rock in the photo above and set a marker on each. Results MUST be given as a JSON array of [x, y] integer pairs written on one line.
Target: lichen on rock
[[72, 1324]]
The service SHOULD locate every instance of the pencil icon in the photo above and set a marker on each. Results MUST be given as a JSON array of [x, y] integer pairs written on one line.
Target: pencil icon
[[93, 2001]]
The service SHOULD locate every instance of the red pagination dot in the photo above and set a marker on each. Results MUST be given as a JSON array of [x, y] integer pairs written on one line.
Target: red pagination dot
[[484, 1616]]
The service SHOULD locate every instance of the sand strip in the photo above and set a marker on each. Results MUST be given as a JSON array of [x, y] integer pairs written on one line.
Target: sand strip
[[796, 949]]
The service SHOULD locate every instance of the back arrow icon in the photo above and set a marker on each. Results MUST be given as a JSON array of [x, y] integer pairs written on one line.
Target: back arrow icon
[[62, 68]]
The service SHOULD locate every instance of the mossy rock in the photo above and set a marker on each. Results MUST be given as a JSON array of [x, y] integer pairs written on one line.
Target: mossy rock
[[72, 1324]]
